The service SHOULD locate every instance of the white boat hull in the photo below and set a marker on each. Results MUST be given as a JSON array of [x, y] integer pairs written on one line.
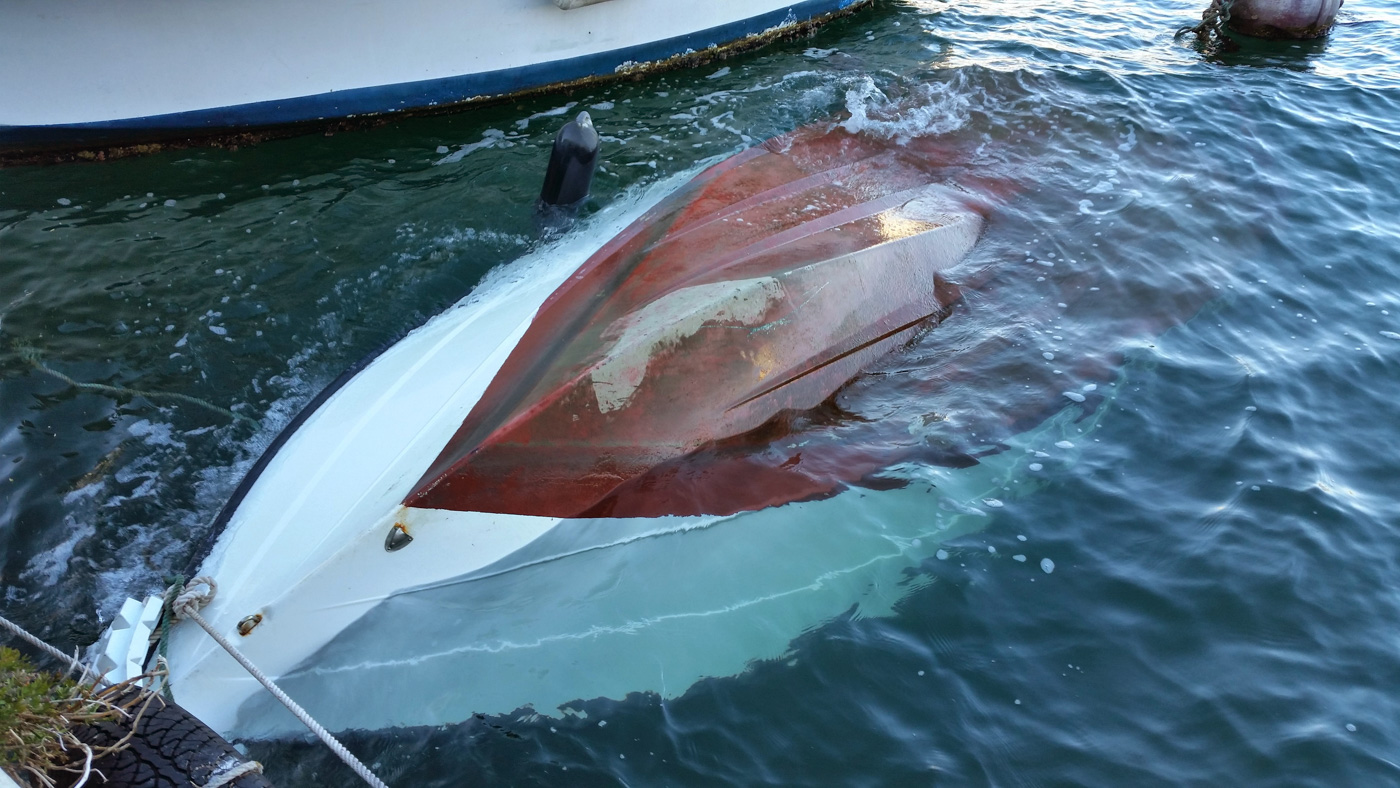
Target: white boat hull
[[308, 535], [610, 607], [491, 613], [516, 590], [91, 72]]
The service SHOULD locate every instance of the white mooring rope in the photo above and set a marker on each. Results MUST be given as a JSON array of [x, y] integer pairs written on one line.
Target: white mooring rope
[[187, 605], [74, 665], [219, 779]]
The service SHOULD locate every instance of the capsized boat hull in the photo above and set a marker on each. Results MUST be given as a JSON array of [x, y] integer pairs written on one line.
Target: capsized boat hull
[[761, 287], [515, 427], [607, 607], [92, 74]]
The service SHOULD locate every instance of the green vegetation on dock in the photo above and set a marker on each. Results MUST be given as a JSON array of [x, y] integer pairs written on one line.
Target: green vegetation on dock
[[38, 713]]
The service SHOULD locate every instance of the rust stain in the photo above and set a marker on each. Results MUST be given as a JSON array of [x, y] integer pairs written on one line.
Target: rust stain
[[249, 623], [397, 538]]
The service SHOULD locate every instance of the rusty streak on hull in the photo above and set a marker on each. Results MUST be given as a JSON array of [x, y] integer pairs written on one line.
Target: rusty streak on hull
[[759, 288]]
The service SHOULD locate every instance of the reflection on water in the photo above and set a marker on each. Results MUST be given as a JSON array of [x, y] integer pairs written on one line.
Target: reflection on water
[[1215, 237]]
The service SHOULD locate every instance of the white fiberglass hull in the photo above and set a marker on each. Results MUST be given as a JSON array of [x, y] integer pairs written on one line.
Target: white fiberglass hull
[[90, 72], [489, 613], [305, 547], [610, 607]]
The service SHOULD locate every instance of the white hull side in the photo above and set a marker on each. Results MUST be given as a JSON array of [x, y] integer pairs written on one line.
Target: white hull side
[[96, 61], [492, 613], [305, 548], [606, 608]]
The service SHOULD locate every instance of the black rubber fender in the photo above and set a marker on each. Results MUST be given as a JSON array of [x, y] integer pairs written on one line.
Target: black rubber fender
[[171, 749], [572, 161]]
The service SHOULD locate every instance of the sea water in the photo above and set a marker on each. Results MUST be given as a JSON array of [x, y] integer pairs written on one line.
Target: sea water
[[1192, 260]]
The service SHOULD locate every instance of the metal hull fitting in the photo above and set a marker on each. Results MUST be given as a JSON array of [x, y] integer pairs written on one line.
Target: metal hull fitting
[[517, 439], [95, 75]]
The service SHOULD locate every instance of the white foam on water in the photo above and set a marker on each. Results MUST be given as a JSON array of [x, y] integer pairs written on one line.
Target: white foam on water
[[718, 121], [48, 567], [933, 108], [144, 552], [1129, 140], [426, 248], [491, 138], [524, 123]]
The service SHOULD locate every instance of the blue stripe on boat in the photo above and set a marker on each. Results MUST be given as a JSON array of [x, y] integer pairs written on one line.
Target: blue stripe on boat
[[404, 95]]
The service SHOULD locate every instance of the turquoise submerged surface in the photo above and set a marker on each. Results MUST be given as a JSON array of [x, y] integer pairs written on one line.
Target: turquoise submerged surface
[[1222, 541]]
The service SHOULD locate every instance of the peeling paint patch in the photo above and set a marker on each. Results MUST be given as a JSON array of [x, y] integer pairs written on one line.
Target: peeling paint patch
[[666, 321]]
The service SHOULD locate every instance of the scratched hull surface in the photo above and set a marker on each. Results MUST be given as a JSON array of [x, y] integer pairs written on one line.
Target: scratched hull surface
[[510, 424], [761, 287]]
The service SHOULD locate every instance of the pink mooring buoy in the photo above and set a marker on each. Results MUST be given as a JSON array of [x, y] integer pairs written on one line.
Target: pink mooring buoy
[[1283, 18]]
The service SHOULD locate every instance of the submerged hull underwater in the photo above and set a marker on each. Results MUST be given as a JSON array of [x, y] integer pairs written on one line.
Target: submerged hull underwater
[[566, 450]]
